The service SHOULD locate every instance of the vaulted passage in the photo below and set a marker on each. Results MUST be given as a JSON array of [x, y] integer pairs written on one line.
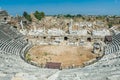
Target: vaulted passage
[[65, 38]]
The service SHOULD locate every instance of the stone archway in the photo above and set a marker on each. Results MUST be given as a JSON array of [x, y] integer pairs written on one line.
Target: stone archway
[[89, 39], [65, 38]]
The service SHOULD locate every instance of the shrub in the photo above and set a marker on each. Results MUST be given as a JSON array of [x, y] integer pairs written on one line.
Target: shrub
[[28, 58], [45, 53], [110, 25], [39, 15], [27, 16]]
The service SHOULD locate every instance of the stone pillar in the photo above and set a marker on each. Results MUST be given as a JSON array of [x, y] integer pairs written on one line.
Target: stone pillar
[[70, 25], [21, 24]]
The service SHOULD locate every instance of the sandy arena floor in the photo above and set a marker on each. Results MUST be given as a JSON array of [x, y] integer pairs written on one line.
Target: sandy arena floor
[[67, 55]]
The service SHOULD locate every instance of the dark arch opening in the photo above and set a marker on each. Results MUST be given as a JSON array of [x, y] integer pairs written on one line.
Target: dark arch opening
[[76, 39], [5, 18], [44, 37], [89, 39], [65, 38]]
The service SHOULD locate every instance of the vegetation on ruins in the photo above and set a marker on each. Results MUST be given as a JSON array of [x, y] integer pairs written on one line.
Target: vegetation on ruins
[[110, 25], [39, 15], [69, 16], [27, 16], [45, 53], [28, 57]]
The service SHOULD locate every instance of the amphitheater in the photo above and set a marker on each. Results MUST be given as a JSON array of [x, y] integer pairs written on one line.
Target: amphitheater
[[13, 67], [13, 47]]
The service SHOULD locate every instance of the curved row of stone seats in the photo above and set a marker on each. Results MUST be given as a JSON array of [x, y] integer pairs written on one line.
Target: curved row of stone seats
[[10, 31], [114, 46], [15, 31], [12, 46], [108, 68], [11, 65], [4, 35], [21, 40]]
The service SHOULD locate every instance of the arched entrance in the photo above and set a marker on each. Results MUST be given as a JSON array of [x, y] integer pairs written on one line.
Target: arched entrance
[[89, 39], [65, 38]]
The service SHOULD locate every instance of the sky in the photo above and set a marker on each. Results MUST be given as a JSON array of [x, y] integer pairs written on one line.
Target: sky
[[52, 7]]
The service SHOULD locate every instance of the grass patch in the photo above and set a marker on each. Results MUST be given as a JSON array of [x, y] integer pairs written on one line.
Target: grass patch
[[81, 54], [28, 57], [45, 53]]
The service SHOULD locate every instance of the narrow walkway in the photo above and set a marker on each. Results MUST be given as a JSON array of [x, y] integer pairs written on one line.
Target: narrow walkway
[[54, 76]]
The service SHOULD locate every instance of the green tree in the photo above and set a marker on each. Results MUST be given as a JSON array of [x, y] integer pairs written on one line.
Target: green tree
[[68, 16], [78, 15], [39, 15], [110, 25], [42, 14], [27, 16]]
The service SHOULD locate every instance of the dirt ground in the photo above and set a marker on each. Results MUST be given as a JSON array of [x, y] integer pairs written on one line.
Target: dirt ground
[[66, 55]]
